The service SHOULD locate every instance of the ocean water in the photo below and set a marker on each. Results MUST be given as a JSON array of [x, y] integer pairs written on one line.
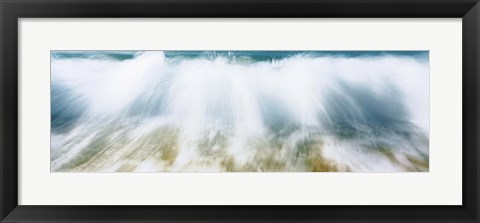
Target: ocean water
[[239, 111]]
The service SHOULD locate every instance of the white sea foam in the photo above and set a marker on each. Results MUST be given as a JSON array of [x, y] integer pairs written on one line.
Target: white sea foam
[[245, 101]]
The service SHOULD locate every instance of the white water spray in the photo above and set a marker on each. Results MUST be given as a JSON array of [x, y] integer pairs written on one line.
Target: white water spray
[[301, 113]]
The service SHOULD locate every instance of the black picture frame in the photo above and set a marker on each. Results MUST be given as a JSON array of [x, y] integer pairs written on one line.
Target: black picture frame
[[12, 10]]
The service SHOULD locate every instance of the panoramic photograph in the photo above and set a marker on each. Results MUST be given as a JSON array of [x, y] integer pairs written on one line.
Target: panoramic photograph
[[239, 111]]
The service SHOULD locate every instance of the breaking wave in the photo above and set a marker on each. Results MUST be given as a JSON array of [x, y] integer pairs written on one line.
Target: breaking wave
[[155, 111]]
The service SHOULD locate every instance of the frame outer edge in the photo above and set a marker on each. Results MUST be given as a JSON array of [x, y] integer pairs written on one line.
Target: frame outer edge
[[2, 189], [471, 108], [9, 97], [477, 179], [476, 62], [3, 209], [8, 111]]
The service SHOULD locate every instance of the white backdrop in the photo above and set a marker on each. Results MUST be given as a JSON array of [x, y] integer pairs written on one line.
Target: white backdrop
[[441, 186]]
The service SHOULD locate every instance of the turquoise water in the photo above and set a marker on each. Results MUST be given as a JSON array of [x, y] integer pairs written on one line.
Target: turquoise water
[[254, 55]]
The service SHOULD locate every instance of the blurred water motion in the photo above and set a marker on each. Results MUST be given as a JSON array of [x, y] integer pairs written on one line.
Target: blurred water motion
[[239, 111]]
